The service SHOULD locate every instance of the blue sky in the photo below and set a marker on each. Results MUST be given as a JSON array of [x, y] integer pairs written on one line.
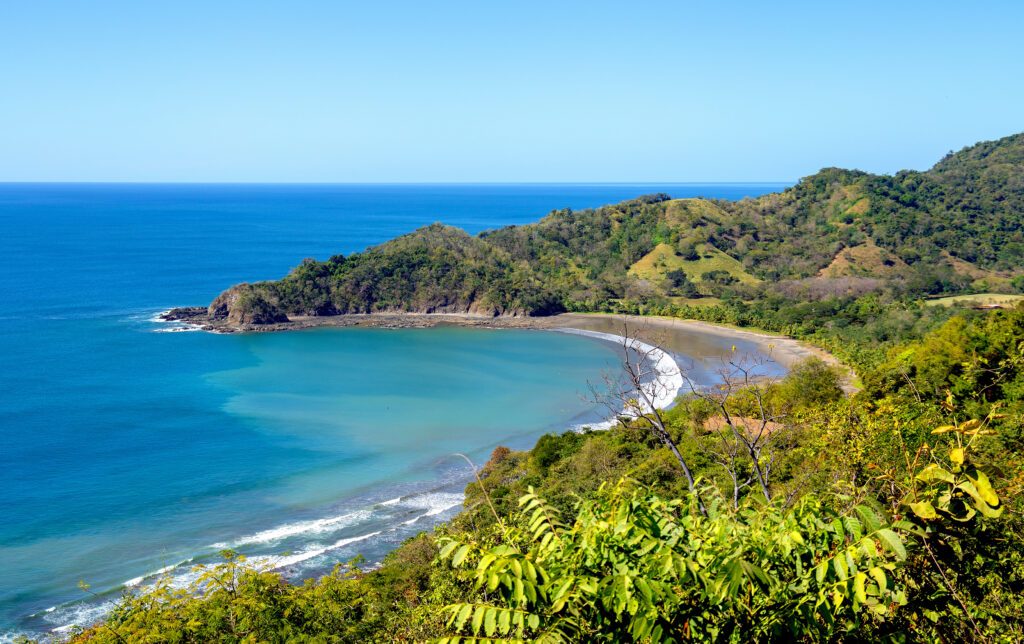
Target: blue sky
[[487, 91]]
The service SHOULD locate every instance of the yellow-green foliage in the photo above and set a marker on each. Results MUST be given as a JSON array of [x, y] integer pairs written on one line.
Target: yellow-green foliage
[[664, 258], [695, 301], [686, 212], [977, 300], [635, 567]]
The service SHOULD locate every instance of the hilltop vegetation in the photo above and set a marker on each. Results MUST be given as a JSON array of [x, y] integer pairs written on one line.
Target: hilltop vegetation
[[956, 228]]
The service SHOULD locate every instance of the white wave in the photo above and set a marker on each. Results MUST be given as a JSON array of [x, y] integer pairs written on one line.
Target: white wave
[[68, 616], [178, 329], [135, 581], [661, 391], [172, 326], [314, 526], [275, 562], [11, 637], [159, 317], [435, 502], [598, 426]]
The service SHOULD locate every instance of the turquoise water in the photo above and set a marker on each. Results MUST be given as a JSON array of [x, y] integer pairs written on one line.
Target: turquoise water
[[125, 449]]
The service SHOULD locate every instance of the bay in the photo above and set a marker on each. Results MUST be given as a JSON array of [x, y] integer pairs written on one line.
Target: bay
[[125, 449]]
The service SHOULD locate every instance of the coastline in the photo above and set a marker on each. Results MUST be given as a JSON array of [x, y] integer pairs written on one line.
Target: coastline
[[662, 339], [662, 390], [675, 334]]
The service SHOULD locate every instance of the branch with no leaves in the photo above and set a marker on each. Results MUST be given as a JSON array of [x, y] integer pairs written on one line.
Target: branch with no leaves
[[754, 429], [636, 394]]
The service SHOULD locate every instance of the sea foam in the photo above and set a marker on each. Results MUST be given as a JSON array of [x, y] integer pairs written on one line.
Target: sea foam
[[435, 502], [171, 326], [314, 526], [277, 562], [662, 390]]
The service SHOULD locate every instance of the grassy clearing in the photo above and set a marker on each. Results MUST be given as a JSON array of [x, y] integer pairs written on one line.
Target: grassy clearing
[[1000, 300], [683, 211], [657, 263], [864, 259], [695, 301]]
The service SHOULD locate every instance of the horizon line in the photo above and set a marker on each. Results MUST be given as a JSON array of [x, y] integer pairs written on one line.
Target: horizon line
[[396, 183]]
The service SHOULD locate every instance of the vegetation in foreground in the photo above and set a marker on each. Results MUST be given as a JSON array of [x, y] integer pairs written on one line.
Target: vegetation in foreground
[[893, 515]]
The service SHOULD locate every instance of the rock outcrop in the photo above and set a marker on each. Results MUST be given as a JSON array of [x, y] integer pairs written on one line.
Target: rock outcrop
[[245, 305]]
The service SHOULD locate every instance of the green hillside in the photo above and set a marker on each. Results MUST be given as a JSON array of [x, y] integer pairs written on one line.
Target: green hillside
[[954, 229], [663, 259]]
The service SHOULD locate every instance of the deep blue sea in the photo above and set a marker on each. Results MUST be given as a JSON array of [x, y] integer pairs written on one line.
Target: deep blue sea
[[126, 449]]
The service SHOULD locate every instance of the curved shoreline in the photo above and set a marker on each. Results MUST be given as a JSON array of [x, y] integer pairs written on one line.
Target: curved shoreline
[[667, 382], [659, 330]]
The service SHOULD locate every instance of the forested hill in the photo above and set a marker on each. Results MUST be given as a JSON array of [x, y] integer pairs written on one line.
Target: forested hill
[[956, 228]]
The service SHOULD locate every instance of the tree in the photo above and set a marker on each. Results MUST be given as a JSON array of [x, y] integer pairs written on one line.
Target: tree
[[677, 283], [748, 420], [648, 382]]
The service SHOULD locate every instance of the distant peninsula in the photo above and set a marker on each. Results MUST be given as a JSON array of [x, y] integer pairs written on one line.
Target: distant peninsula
[[957, 228]]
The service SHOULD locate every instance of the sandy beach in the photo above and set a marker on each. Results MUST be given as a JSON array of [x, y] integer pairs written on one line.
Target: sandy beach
[[675, 333]]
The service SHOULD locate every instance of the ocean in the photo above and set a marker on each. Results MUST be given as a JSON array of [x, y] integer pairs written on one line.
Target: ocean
[[129, 450]]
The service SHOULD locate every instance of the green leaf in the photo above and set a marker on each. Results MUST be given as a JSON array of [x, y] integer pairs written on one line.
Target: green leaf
[[868, 518], [839, 564], [878, 575], [645, 589], [447, 549], [984, 487], [460, 619], [478, 619], [490, 621], [957, 455], [934, 472], [460, 555], [504, 622], [924, 509], [868, 547], [893, 542], [970, 425], [820, 571], [979, 502], [858, 587]]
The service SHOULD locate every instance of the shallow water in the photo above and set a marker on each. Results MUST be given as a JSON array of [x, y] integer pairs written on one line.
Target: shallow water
[[125, 450]]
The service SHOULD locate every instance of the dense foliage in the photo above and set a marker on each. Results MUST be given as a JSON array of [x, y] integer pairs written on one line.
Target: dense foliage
[[894, 514], [836, 235]]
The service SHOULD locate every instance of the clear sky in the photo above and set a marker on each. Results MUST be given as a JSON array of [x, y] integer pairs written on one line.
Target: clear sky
[[332, 91]]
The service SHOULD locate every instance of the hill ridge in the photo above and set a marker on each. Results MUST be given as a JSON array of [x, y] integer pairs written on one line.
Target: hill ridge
[[953, 228]]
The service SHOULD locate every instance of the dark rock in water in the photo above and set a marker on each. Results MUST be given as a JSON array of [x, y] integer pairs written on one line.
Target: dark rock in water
[[192, 314]]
